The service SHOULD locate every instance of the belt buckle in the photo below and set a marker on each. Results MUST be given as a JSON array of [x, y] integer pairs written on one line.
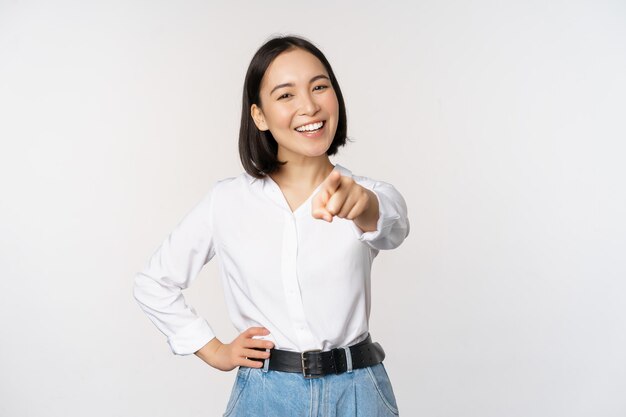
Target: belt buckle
[[304, 368]]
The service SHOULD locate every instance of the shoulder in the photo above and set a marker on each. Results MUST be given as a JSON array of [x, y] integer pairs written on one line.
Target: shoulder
[[228, 183], [228, 187]]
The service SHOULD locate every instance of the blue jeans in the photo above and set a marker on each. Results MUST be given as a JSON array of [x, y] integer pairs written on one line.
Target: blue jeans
[[363, 392]]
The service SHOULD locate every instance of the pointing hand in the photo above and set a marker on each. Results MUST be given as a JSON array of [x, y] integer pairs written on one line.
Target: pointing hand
[[341, 196]]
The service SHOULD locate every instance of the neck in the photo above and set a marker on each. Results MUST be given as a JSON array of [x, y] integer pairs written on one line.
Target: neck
[[303, 173]]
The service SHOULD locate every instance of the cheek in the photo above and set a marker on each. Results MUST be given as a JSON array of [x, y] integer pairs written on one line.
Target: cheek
[[281, 117], [331, 104]]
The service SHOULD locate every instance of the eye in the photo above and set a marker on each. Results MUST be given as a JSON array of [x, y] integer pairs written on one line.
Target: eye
[[320, 87], [286, 95]]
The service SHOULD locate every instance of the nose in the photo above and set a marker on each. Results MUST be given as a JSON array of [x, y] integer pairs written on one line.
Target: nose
[[308, 106]]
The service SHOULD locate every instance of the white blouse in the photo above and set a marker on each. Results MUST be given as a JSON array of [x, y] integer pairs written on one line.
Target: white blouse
[[304, 279]]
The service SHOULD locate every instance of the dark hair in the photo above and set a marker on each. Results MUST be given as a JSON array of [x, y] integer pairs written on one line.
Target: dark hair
[[258, 149]]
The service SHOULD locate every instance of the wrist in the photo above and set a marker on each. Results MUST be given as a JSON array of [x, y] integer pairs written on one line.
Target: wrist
[[368, 220], [208, 351]]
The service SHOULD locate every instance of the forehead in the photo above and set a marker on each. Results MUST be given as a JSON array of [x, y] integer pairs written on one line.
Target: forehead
[[294, 65]]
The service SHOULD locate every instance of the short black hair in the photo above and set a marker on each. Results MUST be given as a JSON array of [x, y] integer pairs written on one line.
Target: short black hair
[[258, 149]]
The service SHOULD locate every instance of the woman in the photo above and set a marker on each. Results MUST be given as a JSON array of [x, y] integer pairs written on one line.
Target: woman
[[295, 237]]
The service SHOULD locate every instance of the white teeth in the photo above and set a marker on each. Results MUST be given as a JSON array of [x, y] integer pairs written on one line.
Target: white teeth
[[310, 127]]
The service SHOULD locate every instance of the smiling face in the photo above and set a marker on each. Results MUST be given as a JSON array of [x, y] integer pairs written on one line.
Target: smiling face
[[298, 105]]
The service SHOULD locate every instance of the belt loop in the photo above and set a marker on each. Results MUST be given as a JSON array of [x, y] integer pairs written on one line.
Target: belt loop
[[266, 363], [348, 358]]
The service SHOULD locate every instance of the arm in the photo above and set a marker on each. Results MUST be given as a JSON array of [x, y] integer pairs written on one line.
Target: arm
[[158, 290], [172, 268]]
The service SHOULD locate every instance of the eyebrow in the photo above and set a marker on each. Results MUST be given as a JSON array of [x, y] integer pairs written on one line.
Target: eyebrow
[[317, 77]]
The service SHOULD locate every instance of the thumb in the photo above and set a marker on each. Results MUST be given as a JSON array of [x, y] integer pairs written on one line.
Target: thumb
[[322, 213], [318, 206]]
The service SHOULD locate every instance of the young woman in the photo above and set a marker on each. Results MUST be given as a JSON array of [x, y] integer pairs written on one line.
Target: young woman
[[295, 237]]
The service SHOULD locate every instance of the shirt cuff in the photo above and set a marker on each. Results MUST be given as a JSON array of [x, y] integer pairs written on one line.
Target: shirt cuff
[[191, 338]]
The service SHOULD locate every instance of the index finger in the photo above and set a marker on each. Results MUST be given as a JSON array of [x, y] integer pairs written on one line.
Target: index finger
[[256, 331], [331, 183]]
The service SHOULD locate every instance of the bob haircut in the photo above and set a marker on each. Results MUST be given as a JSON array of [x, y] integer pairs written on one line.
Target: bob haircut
[[258, 149]]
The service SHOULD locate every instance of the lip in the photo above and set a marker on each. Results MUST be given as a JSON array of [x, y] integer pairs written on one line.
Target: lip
[[315, 134], [311, 122]]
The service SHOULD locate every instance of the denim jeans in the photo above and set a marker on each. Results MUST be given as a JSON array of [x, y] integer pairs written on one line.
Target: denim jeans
[[363, 392]]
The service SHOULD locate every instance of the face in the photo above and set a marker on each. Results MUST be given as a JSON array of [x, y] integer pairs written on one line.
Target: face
[[298, 105]]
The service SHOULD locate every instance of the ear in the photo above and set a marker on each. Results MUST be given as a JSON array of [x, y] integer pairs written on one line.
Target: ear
[[258, 117]]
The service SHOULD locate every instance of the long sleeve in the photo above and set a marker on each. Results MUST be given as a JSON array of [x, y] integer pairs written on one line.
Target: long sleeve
[[172, 268], [393, 222]]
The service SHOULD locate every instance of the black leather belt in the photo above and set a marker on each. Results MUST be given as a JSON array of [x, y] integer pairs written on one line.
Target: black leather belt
[[315, 363]]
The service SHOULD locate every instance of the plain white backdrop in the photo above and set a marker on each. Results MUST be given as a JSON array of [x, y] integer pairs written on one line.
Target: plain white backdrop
[[501, 122]]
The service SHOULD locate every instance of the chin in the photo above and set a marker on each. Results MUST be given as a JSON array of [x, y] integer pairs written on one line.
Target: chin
[[317, 152]]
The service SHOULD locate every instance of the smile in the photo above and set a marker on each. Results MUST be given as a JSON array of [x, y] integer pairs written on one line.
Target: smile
[[311, 127]]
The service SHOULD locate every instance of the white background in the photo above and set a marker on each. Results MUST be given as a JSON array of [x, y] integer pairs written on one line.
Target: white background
[[502, 123]]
